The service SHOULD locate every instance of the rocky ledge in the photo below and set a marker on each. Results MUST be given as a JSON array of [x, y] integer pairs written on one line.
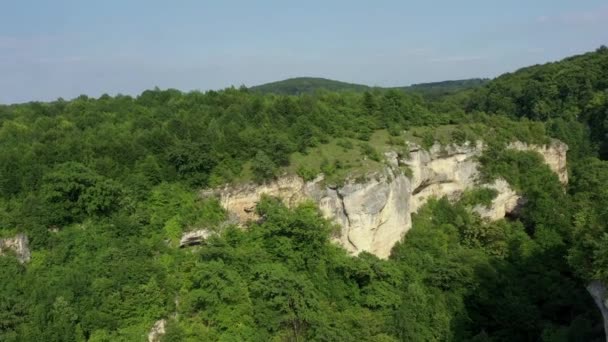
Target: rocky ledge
[[376, 213]]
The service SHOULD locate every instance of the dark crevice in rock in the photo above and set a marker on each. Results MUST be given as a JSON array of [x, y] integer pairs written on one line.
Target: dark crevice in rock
[[427, 183], [345, 212]]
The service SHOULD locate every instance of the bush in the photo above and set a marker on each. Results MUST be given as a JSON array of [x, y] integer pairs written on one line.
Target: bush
[[369, 151], [483, 196], [306, 173], [263, 167], [428, 140], [328, 168], [346, 144]]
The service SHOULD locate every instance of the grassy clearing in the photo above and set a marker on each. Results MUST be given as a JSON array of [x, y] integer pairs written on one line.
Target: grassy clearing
[[343, 158], [447, 134]]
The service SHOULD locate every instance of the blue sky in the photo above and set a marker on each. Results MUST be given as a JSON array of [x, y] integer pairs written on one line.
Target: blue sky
[[64, 48]]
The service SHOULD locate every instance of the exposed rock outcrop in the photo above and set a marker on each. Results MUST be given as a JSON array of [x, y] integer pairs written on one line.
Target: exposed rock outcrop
[[376, 213], [373, 215], [442, 171], [600, 295], [554, 155], [241, 200], [195, 237], [157, 331], [19, 244], [506, 201]]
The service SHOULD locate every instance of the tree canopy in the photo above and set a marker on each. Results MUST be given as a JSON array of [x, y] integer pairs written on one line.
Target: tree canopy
[[105, 187]]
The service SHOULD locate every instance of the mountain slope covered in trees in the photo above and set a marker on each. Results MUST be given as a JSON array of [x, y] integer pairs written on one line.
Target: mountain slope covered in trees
[[308, 85], [104, 188]]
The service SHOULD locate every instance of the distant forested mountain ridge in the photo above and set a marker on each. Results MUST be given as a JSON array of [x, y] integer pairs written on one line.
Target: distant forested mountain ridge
[[308, 85], [446, 87]]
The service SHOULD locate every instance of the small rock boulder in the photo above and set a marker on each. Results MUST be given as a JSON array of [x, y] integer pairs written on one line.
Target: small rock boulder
[[157, 331], [194, 238], [19, 244]]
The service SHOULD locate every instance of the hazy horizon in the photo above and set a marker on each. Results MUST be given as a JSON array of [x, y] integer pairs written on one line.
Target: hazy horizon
[[67, 48]]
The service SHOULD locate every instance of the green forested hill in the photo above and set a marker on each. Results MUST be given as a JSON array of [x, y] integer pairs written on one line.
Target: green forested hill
[[104, 187], [308, 85], [571, 90], [446, 87]]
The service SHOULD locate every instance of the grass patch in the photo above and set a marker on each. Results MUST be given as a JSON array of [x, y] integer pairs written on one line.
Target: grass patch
[[339, 159], [348, 157]]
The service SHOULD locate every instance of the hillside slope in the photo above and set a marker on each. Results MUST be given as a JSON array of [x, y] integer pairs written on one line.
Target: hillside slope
[[307, 85]]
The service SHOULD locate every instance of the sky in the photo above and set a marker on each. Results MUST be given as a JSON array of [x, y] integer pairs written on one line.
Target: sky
[[65, 48]]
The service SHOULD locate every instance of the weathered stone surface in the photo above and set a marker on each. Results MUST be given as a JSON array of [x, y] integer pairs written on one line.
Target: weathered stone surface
[[599, 292], [554, 155], [376, 213], [506, 201], [241, 200], [157, 331], [442, 171], [195, 237], [19, 244]]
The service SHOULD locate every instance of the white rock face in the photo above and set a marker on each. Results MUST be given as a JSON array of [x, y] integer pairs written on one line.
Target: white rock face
[[240, 201], [376, 214], [554, 155], [600, 295], [442, 171], [157, 331], [19, 244], [506, 201]]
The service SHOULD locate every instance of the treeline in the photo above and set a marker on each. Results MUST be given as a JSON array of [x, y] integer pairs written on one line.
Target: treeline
[[560, 93]]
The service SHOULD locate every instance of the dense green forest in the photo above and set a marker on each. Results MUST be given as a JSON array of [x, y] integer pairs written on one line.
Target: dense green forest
[[103, 187]]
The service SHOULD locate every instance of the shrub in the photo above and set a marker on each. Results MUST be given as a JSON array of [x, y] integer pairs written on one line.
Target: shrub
[[306, 173], [369, 151], [263, 167]]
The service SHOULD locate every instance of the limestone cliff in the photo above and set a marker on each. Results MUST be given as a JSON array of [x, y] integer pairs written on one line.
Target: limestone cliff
[[18, 244], [376, 213], [373, 214], [241, 200], [554, 155], [442, 171], [506, 201]]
